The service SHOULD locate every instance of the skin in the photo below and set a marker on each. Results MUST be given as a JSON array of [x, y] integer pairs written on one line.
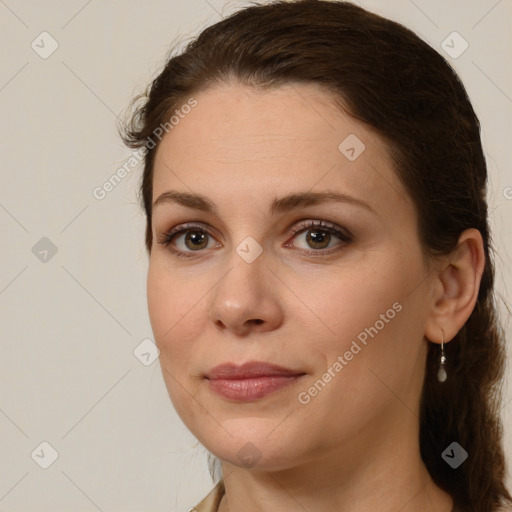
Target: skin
[[354, 446]]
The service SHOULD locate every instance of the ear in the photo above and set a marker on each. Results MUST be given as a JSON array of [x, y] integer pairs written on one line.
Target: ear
[[455, 287]]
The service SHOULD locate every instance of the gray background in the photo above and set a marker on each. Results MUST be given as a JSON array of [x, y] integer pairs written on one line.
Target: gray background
[[70, 321]]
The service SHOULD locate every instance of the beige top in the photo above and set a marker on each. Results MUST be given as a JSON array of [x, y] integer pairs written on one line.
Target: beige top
[[212, 500]]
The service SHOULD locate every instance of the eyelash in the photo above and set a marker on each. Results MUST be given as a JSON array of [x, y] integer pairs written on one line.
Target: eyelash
[[344, 236]]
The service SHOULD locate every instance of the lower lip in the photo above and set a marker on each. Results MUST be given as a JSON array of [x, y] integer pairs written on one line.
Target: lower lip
[[246, 390]]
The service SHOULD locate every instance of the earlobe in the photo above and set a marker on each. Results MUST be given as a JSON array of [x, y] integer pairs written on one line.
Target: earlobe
[[457, 284]]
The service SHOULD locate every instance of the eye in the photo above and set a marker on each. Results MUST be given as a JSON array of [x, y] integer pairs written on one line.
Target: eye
[[319, 234], [184, 240], [194, 239]]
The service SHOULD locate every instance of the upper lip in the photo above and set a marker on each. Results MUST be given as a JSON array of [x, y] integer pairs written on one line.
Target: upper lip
[[249, 370]]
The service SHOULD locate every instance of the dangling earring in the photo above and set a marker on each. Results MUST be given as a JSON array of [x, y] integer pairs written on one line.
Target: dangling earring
[[441, 374]]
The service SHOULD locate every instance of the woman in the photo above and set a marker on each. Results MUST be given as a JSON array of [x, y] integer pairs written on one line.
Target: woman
[[320, 280]]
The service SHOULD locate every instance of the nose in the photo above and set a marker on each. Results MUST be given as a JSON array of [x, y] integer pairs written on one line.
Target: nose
[[247, 298]]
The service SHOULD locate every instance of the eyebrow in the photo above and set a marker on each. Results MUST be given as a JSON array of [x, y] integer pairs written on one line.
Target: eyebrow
[[279, 205]]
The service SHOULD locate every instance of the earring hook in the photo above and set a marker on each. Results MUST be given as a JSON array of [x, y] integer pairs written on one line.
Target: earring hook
[[441, 374]]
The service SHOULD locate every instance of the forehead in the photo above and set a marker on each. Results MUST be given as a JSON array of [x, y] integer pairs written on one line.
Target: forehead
[[241, 143]]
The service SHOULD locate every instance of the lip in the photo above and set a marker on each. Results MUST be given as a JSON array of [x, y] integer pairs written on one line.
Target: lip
[[249, 370], [250, 381]]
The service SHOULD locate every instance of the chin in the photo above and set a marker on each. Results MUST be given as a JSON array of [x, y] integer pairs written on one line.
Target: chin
[[255, 449]]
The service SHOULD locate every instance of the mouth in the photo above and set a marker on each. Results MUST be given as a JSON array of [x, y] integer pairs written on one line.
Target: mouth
[[250, 381]]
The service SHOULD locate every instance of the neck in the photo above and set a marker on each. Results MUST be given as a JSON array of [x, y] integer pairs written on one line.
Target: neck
[[386, 477]]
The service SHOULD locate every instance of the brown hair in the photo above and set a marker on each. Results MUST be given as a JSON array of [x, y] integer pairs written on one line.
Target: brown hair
[[393, 81]]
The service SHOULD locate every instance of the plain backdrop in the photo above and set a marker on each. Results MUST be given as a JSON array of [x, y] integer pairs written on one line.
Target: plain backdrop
[[74, 375]]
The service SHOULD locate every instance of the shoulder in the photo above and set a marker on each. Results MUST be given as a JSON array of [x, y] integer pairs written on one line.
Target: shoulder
[[211, 502]]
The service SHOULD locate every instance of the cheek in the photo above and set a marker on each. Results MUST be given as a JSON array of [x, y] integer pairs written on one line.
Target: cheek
[[368, 315], [175, 316], [174, 296], [349, 300], [176, 313], [162, 303]]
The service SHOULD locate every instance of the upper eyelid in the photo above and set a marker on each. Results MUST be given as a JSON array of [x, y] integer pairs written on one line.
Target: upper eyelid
[[302, 224]]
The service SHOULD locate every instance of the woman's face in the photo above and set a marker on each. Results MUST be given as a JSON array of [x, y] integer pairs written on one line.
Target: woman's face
[[343, 306]]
